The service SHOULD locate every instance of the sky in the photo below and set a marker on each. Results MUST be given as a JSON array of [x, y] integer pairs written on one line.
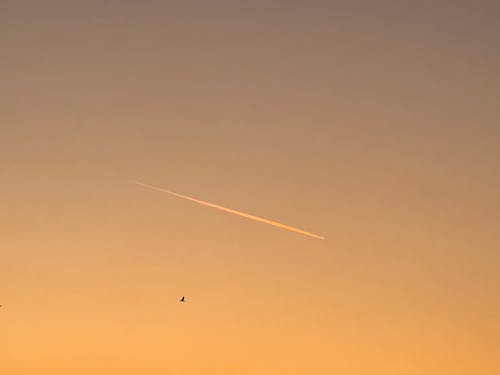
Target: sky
[[374, 124]]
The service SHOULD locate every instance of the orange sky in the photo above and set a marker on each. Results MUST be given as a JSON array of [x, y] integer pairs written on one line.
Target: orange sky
[[375, 125]]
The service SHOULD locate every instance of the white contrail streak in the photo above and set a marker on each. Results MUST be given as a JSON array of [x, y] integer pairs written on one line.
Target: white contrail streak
[[231, 211]]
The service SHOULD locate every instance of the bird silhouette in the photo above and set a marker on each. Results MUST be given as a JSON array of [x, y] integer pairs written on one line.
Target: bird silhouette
[[182, 299]]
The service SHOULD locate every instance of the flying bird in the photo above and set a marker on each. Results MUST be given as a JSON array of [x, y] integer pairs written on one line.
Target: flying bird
[[234, 212], [182, 299]]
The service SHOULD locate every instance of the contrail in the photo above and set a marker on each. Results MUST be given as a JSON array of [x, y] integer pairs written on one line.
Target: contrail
[[231, 211]]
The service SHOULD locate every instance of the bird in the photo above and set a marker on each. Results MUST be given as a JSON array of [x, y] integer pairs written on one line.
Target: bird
[[182, 299]]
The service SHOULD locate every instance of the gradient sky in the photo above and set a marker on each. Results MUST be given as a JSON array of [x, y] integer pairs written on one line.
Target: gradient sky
[[375, 124]]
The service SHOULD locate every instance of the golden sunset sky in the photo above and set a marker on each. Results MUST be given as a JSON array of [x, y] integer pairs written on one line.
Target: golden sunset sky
[[375, 124]]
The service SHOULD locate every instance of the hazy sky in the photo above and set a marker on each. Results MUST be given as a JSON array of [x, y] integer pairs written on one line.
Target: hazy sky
[[375, 124]]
